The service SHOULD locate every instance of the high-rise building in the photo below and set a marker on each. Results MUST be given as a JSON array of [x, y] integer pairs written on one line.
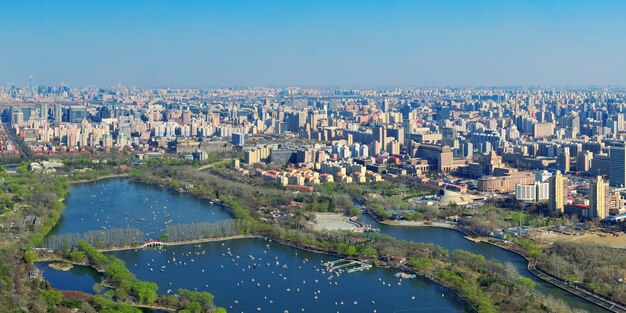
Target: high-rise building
[[43, 111], [186, 117], [58, 113], [598, 192], [557, 193], [583, 161], [238, 139], [77, 115], [296, 120], [380, 135], [617, 168], [562, 161]]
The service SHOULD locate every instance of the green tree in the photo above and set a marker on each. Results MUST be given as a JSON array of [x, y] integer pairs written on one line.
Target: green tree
[[526, 282], [194, 307], [30, 257], [145, 291], [52, 297], [97, 288], [78, 256], [369, 252], [351, 250]]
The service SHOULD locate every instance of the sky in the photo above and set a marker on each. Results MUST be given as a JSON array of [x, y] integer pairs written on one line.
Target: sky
[[336, 43]]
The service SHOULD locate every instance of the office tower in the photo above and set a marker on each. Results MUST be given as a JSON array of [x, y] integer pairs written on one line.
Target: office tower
[[77, 115], [386, 105], [617, 168], [17, 116], [296, 120], [43, 111], [598, 192], [58, 113], [557, 193], [380, 135], [238, 139]]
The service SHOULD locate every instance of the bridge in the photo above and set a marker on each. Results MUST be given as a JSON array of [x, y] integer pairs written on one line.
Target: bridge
[[159, 243], [153, 243]]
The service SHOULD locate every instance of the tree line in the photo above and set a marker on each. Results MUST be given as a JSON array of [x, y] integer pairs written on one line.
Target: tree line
[[186, 232], [101, 239]]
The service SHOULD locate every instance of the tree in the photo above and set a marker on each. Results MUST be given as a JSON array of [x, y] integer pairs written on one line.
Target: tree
[[526, 282], [351, 250], [369, 252], [355, 212], [145, 291], [194, 307], [52, 297], [97, 288], [30, 257], [78, 256]]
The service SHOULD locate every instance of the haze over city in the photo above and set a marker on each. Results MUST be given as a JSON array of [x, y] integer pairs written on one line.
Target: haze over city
[[313, 43], [312, 156]]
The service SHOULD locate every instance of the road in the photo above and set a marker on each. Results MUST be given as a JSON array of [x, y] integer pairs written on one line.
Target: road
[[605, 303], [19, 144]]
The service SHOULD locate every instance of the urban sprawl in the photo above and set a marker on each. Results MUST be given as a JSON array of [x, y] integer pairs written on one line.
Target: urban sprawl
[[562, 149]]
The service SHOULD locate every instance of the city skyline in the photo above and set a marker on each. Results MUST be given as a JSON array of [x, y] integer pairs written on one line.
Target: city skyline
[[314, 44]]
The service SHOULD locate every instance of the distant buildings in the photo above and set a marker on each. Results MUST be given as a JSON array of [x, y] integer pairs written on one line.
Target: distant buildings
[[617, 170], [486, 140]]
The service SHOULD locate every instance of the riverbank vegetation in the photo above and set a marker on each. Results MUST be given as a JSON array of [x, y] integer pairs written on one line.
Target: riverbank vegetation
[[101, 239], [125, 289], [263, 210], [601, 270], [30, 205], [487, 285]]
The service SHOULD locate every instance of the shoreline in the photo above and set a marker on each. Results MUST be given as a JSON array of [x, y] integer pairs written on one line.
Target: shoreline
[[83, 181], [422, 224], [315, 250], [281, 241], [538, 273]]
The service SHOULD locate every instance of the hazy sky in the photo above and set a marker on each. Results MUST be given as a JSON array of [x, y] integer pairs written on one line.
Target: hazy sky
[[313, 43]]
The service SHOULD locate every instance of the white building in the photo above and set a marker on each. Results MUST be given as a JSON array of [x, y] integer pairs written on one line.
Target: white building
[[537, 192]]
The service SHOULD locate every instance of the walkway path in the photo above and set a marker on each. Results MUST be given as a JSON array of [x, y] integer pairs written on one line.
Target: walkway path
[[584, 294], [176, 243], [204, 167]]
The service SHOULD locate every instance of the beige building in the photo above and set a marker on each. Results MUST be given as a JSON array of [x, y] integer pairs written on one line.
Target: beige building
[[556, 201], [505, 183], [541, 130], [598, 193]]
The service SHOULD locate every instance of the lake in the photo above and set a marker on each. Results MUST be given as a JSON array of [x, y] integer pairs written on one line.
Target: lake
[[245, 279], [244, 274]]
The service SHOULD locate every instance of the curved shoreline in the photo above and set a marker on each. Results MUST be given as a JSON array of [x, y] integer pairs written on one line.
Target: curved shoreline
[[587, 296], [438, 225], [82, 181], [315, 250], [280, 241]]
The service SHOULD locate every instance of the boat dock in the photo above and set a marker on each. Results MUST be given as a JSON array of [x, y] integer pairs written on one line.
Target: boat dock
[[350, 266]]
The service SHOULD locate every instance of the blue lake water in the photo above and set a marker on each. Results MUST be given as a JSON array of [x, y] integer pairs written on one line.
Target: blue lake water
[[244, 279]]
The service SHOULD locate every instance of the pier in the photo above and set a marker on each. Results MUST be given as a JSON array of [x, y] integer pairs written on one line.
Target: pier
[[349, 266]]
